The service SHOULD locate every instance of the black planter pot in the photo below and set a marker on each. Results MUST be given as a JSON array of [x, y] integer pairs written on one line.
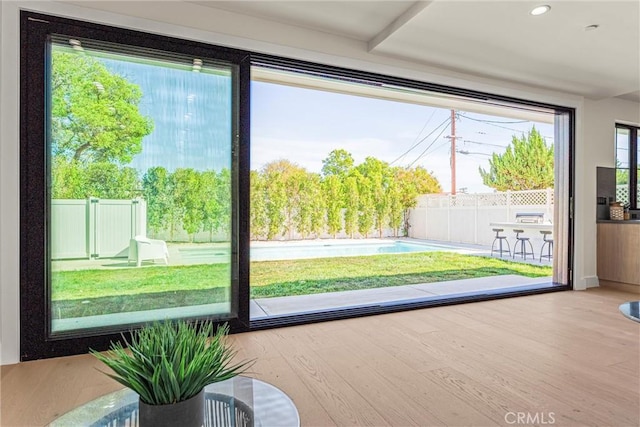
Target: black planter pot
[[188, 413]]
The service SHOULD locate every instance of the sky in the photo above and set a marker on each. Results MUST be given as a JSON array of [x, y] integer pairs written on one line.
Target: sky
[[191, 113], [305, 125]]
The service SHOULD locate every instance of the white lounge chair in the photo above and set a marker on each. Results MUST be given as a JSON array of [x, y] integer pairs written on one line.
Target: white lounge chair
[[142, 248]]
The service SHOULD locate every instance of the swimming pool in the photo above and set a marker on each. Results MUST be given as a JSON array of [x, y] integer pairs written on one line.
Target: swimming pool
[[296, 250]]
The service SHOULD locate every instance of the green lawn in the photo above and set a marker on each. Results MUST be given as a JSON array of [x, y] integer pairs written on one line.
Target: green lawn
[[89, 292]]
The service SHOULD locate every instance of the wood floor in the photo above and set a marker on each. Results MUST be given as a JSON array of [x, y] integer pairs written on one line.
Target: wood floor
[[565, 358]]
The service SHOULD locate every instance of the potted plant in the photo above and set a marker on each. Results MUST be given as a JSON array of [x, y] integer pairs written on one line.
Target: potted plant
[[168, 365]]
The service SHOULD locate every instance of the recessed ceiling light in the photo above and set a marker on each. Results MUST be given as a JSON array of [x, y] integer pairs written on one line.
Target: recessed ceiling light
[[539, 10]]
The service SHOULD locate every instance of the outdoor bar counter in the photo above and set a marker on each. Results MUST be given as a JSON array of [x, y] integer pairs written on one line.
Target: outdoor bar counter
[[619, 254]]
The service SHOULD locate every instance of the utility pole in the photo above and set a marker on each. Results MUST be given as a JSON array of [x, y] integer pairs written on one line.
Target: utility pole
[[453, 152]]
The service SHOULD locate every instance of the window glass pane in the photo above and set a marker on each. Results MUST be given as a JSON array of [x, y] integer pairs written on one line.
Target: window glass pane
[[622, 147], [622, 164], [360, 191], [141, 179]]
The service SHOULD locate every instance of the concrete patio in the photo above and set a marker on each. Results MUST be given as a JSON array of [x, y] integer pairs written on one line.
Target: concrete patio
[[278, 306]]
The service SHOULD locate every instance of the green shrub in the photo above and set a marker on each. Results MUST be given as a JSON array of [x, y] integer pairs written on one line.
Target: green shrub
[[169, 362]]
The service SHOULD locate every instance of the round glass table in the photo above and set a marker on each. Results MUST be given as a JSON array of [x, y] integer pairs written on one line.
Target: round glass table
[[243, 401], [631, 310]]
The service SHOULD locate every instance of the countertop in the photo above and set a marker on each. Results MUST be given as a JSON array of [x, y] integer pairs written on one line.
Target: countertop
[[618, 221]]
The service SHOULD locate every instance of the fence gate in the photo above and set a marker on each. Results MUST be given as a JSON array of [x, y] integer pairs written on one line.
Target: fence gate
[[95, 228]]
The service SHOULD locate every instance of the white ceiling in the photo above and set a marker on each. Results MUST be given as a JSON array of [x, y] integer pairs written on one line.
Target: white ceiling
[[498, 39]]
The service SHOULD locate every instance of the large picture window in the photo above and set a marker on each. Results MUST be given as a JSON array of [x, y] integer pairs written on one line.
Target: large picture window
[[395, 186], [140, 201]]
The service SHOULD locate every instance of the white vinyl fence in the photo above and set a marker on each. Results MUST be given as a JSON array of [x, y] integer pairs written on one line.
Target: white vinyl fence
[[465, 218], [95, 228]]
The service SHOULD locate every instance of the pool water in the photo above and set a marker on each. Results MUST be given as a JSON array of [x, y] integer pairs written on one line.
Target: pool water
[[306, 251], [263, 253]]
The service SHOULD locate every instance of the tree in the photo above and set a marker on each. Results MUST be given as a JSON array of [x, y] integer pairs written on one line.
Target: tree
[[338, 162], [258, 211], [209, 200], [67, 179], [366, 207], [309, 201], [332, 194], [73, 180], [378, 176], [394, 205], [186, 192], [317, 205], [412, 183], [351, 202], [283, 195], [157, 191], [527, 164], [285, 198], [109, 181], [94, 112], [215, 198], [223, 199]]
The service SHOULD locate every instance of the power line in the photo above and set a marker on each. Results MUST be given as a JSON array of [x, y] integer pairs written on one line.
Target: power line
[[425, 150], [506, 122], [433, 112], [496, 125], [493, 123], [445, 122], [484, 143], [420, 142], [443, 145]]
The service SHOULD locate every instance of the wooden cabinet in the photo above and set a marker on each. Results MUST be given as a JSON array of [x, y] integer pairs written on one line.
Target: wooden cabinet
[[619, 252]]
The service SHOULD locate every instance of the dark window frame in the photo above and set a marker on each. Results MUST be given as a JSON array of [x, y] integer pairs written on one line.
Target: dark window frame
[[634, 133], [36, 32], [33, 199], [375, 79]]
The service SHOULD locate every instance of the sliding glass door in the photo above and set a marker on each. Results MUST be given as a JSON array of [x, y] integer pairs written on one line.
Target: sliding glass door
[[137, 193], [368, 193], [140, 199], [132, 163]]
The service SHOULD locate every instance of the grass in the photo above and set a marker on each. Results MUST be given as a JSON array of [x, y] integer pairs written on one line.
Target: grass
[[303, 277], [89, 292], [82, 284]]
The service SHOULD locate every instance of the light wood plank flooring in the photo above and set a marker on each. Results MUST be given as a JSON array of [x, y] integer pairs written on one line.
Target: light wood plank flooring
[[567, 358]]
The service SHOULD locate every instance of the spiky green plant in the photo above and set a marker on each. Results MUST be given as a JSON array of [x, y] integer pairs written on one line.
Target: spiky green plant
[[170, 362]]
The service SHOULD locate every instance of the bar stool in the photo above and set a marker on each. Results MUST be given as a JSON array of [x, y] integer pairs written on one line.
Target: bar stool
[[523, 247], [499, 240], [548, 243]]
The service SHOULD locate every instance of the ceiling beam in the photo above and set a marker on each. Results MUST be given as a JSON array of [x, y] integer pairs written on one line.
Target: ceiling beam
[[397, 23]]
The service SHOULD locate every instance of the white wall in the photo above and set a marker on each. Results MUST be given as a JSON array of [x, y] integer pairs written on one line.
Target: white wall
[[192, 21], [9, 177], [597, 149]]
